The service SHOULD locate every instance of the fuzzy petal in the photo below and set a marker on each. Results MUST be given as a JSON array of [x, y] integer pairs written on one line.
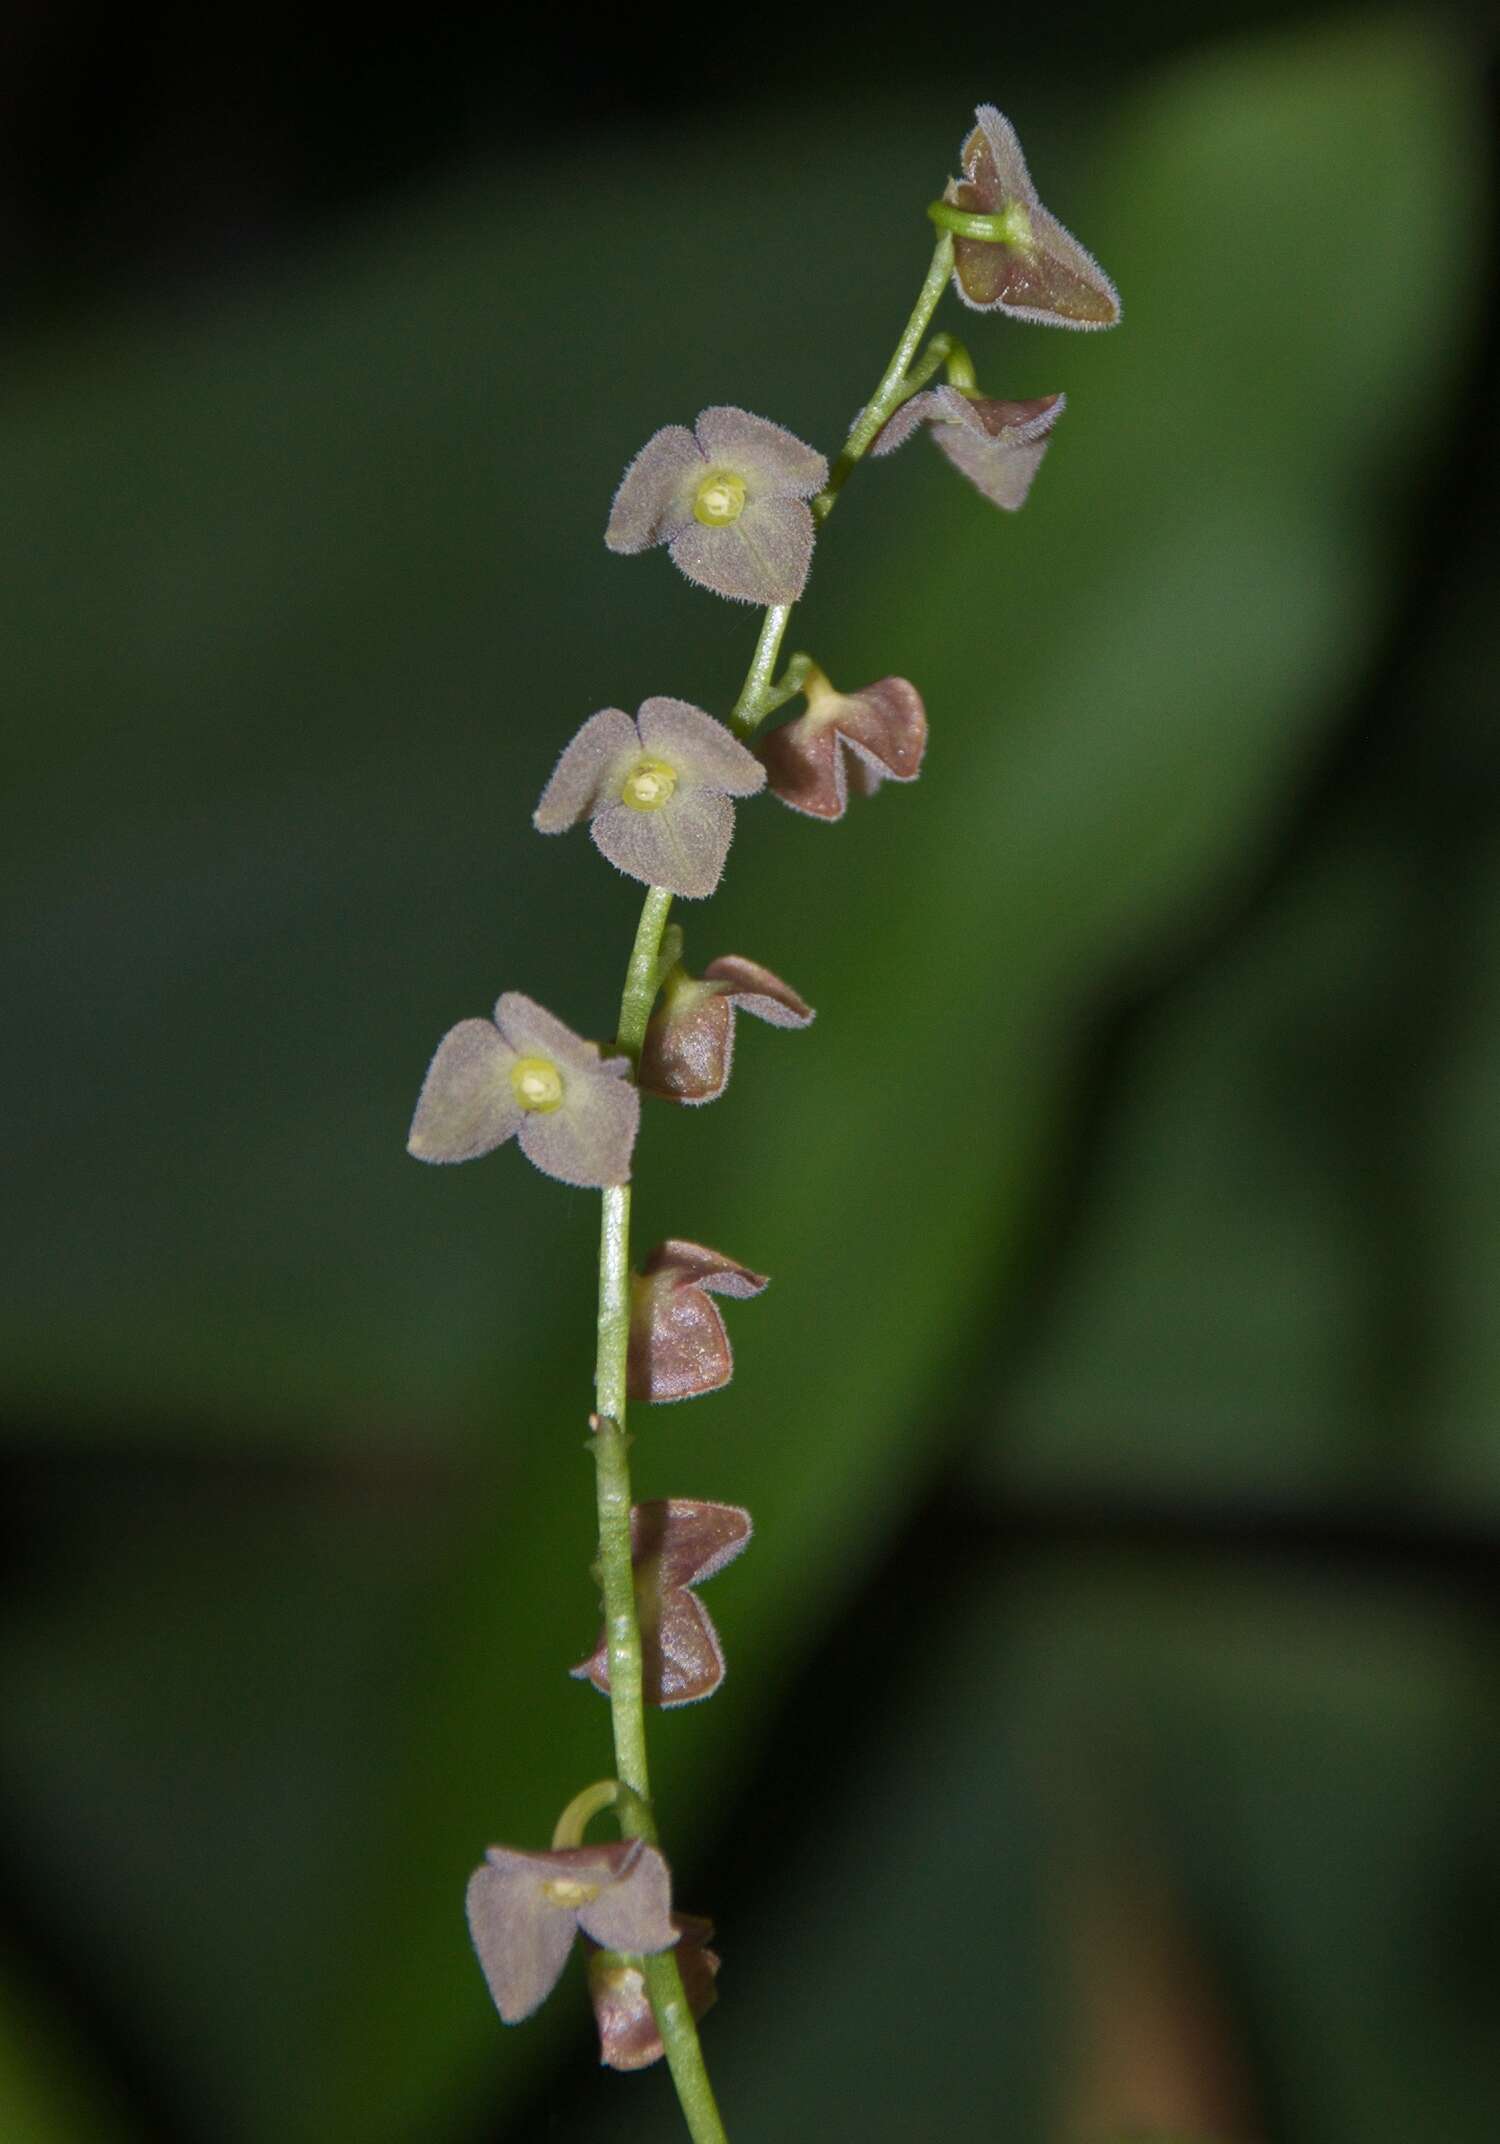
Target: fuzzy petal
[[655, 496], [856, 739], [467, 1106], [699, 747], [521, 1934], [695, 1265], [683, 846], [756, 990], [1052, 278], [773, 462], [592, 768], [634, 1912], [532, 1031], [763, 557], [895, 432], [689, 1539], [590, 1139]]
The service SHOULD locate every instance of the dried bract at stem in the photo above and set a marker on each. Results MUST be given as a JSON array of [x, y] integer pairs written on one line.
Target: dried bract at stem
[[675, 1544], [656, 792], [628, 2035], [689, 1046], [524, 1075], [997, 445], [729, 500], [525, 1909], [846, 740], [678, 1345], [1036, 270]]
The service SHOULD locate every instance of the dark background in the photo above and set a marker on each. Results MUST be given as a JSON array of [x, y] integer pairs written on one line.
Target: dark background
[[1110, 1740]]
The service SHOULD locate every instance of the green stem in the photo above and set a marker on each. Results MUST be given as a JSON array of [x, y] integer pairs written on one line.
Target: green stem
[[611, 1447], [756, 699], [611, 1443]]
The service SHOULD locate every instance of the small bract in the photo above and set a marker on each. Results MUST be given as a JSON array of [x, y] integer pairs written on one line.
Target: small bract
[[1037, 271], [998, 446], [524, 1910], [689, 1044], [524, 1075], [628, 2034], [678, 1345], [675, 1543], [656, 792], [846, 740], [728, 499]]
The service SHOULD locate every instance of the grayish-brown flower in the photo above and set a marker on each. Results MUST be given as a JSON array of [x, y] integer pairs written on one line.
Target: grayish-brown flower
[[689, 1044], [524, 1075], [678, 1345], [998, 446], [525, 1909], [729, 501], [1038, 271], [675, 1543], [846, 740], [656, 792], [628, 2035]]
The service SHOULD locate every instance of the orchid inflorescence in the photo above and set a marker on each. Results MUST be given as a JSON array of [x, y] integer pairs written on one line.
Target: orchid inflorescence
[[738, 502]]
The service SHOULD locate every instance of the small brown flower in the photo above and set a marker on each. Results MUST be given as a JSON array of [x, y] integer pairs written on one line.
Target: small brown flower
[[998, 446], [628, 2037], [678, 1345], [846, 740], [656, 792], [1037, 271], [689, 1044], [729, 499], [524, 1074], [524, 1910], [675, 1543]]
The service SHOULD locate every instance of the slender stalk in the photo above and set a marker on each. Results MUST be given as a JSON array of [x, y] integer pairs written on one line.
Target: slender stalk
[[757, 696], [611, 1442], [611, 1446]]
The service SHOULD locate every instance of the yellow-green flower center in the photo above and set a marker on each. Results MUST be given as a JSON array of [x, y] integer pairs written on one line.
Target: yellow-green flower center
[[720, 499], [569, 1892], [536, 1084], [648, 785]]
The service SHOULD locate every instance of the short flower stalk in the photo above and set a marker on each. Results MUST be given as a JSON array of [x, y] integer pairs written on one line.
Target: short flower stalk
[[739, 504]]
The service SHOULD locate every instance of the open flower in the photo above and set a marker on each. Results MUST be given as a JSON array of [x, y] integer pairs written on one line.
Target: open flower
[[998, 446], [1037, 270], [628, 2035], [678, 1345], [689, 1044], [525, 1909], [729, 499], [846, 740], [656, 792], [675, 1543], [524, 1075]]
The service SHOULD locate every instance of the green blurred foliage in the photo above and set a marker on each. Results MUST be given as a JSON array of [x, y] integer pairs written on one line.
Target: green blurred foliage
[[309, 595]]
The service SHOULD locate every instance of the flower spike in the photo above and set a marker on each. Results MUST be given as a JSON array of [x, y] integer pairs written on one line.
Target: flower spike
[[524, 1075], [678, 1345], [1033, 268], [854, 739], [729, 500], [656, 792], [628, 2034], [525, 1909], [675, 1543], [998, 446], [689, 1044]]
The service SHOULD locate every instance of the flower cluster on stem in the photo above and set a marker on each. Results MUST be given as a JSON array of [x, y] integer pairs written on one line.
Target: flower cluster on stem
[[738, 502]]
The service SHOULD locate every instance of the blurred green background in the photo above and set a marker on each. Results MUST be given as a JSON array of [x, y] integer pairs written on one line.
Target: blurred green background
[[1111, 1731]]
